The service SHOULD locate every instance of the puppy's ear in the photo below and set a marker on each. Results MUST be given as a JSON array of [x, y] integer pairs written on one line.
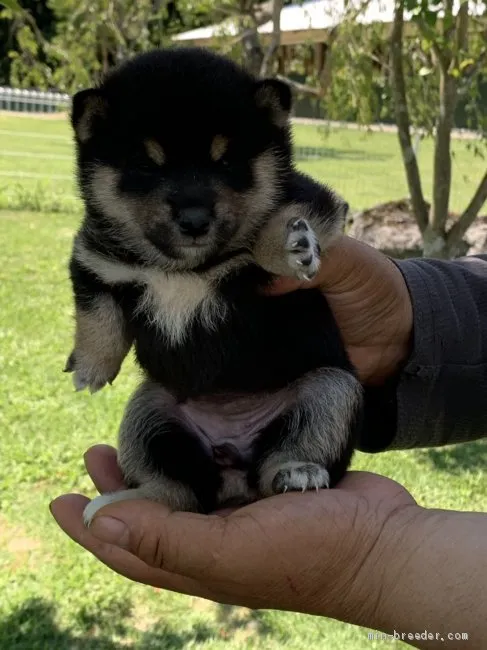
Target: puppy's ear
[[88, 108], [276, 97]]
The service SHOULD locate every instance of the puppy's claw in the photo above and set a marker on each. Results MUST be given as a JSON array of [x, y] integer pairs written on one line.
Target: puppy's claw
[[300, 477], [69, 367]]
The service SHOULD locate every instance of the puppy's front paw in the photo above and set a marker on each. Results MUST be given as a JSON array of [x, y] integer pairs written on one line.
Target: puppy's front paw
[[92, 374], [300, 477], [302, 249]]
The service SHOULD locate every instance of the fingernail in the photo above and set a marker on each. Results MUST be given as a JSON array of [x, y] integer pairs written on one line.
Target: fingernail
[[110, 530]]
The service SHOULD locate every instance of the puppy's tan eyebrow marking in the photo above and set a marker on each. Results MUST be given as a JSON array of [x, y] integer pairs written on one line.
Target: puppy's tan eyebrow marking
[[155, 151], [218, 147]]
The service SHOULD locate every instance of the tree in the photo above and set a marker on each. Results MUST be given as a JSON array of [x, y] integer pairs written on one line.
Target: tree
[[248, 46], [433, 61], [89, 37], [23, 30], [455, 58]]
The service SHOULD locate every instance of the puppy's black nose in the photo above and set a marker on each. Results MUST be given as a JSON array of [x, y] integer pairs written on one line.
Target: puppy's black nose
[[194, 221]]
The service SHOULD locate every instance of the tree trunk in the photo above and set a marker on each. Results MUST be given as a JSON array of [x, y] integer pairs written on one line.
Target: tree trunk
[[270, 54], [326, 73], [252, 51], [463, 223], [442, 158], [439, 245], [403, 121]]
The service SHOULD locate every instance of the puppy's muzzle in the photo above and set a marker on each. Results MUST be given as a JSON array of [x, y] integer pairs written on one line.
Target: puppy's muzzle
[[194, 221]]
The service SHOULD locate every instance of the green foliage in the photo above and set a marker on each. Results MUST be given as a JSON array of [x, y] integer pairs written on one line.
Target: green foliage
[[13, 5], [40, 21], [361, 81], [358, 77], [91, 36], [28, 70]]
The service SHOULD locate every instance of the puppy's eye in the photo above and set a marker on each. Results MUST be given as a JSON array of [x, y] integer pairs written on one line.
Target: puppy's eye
[[155, 152], [219, 148]]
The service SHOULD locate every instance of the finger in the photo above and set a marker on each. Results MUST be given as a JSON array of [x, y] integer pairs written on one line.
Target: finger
[[184, 543], [282, 285], [102, 466], [373, 485], [67, 510]]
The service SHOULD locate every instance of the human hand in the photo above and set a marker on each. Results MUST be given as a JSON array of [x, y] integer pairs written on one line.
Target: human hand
[[321, 553], [371, 304]]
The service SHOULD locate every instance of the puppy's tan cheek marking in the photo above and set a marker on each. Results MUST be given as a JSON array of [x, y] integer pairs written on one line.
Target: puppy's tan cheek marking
[[219, 147], [155, 151]]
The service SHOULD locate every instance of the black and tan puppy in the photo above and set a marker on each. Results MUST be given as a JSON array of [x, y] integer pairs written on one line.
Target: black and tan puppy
[[192, 202]]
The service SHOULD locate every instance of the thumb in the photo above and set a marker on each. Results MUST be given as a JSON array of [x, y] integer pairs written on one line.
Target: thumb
[[179, 542]]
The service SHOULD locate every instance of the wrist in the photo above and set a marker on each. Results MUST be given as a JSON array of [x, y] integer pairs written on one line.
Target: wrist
[[431, 576], [372, 549], [375, 595]]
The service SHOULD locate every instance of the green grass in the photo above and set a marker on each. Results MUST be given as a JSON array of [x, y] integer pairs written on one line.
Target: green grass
[[54, 595], [36, 165]]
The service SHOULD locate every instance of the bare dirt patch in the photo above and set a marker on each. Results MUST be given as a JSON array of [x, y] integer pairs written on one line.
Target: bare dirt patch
[[19, 545], [391, 227]]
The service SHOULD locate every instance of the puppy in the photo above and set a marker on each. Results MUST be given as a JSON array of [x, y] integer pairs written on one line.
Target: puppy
[[192, 205]]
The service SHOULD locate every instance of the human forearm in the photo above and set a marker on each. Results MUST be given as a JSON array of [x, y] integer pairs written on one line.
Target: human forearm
[[442, 388], [434, 578]]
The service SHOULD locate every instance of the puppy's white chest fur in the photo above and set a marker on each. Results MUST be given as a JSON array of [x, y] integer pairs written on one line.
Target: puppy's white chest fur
[[172, 302]]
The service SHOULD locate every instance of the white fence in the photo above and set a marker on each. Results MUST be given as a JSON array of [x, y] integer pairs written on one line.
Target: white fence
[[32, 101]]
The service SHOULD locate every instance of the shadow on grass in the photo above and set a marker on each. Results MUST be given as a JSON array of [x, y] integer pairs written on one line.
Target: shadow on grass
[[459, 458], [33, 626], [318, 153], [249, 622]]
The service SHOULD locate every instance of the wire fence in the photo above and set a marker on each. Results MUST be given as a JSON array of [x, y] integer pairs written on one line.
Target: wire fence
[[32, 101]]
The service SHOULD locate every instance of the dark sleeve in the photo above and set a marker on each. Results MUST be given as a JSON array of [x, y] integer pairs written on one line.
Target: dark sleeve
[[440, 396]]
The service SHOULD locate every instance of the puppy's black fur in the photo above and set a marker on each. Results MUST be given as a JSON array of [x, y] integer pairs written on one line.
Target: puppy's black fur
[[192, 204]]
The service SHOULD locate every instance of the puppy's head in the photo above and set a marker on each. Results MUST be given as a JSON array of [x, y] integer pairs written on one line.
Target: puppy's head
[[182, 153]]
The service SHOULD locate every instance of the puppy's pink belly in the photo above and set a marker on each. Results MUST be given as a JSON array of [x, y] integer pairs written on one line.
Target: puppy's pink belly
[[228, 425]]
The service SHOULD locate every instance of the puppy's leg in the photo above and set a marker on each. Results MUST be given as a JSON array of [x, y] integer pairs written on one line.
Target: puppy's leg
[[291, 242], [102, 338], [310, 446], [101, 343], [160, 459]]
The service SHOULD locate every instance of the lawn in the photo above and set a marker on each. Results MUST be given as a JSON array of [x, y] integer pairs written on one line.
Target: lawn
[[54, 595], [36, 165]]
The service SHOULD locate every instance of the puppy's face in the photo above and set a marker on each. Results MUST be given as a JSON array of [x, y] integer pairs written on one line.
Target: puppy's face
[[182, 154]]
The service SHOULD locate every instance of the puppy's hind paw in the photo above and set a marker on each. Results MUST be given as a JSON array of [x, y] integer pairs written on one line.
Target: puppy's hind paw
[[91, 375], [300, 477], [106, 499], [302, 249]]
